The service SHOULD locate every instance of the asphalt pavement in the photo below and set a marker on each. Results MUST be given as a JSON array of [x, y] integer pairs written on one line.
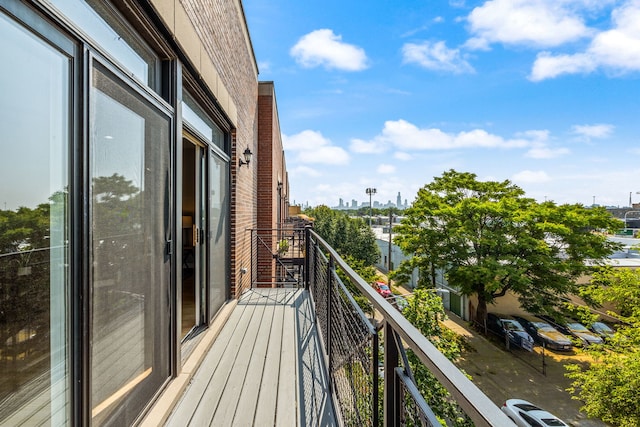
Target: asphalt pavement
[[502, 374]]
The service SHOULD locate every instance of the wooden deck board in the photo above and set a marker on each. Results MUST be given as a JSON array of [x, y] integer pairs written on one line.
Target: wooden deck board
[[287, 403], [223, 369], [267, 397], [230, 398], [251, 375], [193, 398], [249, 397]]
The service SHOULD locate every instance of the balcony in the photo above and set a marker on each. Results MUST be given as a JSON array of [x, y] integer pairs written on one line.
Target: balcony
[[302, 352]]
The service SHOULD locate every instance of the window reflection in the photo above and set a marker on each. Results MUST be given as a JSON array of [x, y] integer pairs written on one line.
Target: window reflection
[[112, 34], [129, 147], [34, 117], [219, 232], [200, 122]]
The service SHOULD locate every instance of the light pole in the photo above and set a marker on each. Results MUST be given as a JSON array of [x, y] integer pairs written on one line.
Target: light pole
[[390, 239], [370, 191]]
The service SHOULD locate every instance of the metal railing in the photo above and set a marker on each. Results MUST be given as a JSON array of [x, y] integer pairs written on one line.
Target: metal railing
[[279, 256], [366, 392]]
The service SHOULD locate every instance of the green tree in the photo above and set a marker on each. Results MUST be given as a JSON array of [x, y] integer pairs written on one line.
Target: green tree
[[425, 311], [25, 265], [610, 387], [490, 239], [350, 237]]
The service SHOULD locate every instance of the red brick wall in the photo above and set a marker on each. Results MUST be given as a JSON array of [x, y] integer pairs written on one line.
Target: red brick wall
[[272, 185]]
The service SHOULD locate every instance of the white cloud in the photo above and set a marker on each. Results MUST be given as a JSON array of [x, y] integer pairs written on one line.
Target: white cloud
[[406, 136], [324, 48], [593, 131], [366, 147], [548, 66], [386, 169], [541, 23], [544, 152], [530, 177], [401, 155], [436, 56], [616, 50], [539, 145], [305, 170], [536, 135], [311, 147]]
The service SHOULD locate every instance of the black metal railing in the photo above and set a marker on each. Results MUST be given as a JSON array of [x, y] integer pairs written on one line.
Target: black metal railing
[[366, 392], [279, 256]]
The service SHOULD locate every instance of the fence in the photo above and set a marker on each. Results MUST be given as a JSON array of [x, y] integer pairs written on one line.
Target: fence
[[370, 376]]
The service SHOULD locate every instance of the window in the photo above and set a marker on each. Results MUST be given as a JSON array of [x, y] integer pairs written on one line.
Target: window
[[114, 36], [129, 168], [219, 231], [199, 121], [35, 123]]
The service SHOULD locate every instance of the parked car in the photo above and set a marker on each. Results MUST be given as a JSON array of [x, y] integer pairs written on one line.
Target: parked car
[[383, 289], [401, 302], [544, 333], [526, 414], [506, 326], [602, 329], [575, 329]]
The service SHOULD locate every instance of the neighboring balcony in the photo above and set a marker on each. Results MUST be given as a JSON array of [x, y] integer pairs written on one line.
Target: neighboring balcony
[[298, 350]]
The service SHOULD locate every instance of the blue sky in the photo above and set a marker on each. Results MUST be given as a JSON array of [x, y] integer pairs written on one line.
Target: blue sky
[[389, 94]]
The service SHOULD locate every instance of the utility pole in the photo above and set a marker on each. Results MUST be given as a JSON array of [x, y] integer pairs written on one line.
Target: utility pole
[[390, 233], [370, 191]]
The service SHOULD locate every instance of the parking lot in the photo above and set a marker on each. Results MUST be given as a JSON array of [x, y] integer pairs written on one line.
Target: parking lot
[[502, 375]]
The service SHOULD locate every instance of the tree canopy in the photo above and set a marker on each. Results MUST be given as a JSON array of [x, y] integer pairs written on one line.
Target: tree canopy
[[490, 239], [610, 387], [350, 237]]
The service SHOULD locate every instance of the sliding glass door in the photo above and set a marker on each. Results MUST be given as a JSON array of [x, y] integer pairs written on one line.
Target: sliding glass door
[[35, 124], [129, 210]]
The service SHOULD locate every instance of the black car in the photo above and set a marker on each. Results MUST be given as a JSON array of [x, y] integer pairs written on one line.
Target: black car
[[544, 333], [506, 326], [569, 327]]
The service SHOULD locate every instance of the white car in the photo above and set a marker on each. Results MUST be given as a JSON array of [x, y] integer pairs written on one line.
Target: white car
[[526, 414]]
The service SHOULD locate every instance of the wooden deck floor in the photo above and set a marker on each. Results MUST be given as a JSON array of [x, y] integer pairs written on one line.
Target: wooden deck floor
[[264, 369]]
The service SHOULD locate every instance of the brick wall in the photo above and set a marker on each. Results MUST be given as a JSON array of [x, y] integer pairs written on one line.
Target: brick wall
[[272, 186], [221, 29]]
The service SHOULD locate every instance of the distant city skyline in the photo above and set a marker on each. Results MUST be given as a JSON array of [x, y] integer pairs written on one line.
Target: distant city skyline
[[376, 203]]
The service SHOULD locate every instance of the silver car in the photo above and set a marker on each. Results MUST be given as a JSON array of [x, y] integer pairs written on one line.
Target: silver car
[[526, 414]]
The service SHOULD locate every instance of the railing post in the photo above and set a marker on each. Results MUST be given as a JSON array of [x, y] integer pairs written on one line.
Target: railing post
[[375, 359], [307, 255], [391, 384], [330, 267], [254, 259]]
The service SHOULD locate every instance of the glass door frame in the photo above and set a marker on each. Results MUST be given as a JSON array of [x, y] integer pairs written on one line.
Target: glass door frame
[[93, 60], [67, 299], [199, 231]]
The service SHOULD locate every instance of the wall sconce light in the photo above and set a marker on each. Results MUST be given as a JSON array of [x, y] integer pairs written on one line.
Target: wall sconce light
[[247, 158]]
